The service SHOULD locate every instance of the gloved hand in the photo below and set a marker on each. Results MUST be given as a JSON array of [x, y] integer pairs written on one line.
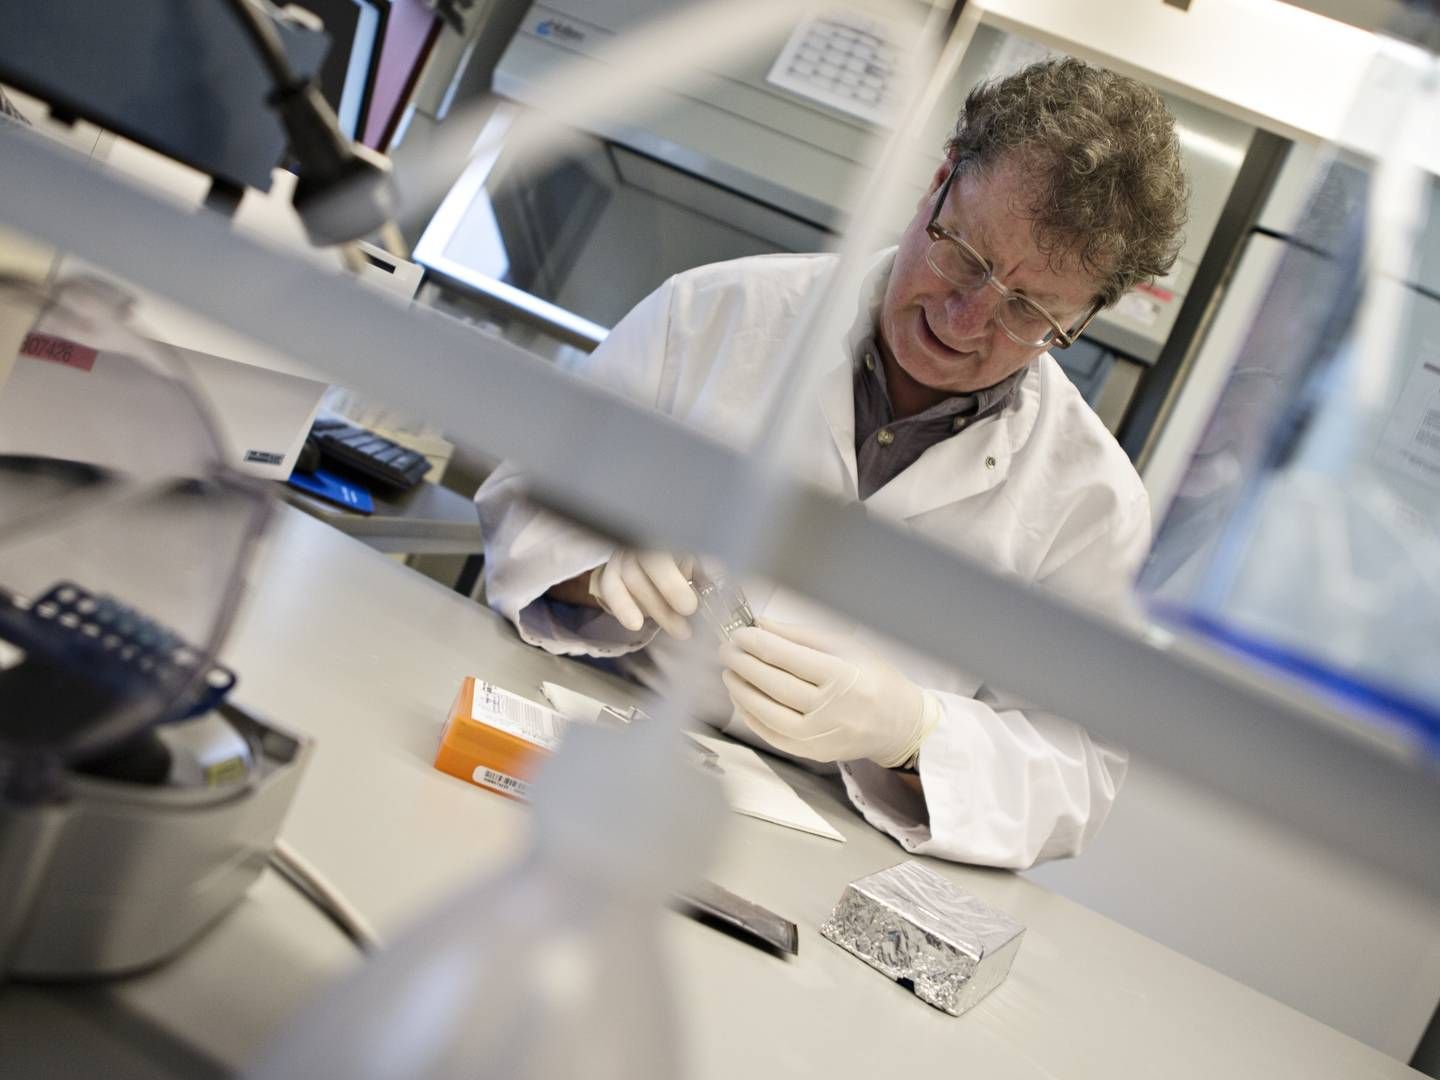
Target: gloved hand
[[634, 585], [821, 696]]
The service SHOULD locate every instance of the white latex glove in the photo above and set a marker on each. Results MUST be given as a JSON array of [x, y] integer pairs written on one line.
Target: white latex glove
[[821, 696], [636, 585]]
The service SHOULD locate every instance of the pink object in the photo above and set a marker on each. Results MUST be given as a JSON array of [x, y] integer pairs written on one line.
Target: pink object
[[409, 33], [57, 350]]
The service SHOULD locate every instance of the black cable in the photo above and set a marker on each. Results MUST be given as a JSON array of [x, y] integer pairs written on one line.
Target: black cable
[[314, 137], [266, 39], [345, 189]]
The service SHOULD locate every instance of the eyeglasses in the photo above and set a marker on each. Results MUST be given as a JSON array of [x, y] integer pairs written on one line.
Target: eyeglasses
[[965, 269]]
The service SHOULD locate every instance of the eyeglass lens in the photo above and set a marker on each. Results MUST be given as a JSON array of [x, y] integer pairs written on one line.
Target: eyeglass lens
[[964, 271]]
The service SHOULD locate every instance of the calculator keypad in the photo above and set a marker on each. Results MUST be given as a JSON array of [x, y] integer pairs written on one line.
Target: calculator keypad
[[844, 60]]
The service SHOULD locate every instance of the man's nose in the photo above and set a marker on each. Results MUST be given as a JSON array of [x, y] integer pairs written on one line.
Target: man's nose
[[971, 315]]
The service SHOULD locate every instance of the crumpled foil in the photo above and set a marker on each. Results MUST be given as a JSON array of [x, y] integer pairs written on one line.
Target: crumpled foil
[[911, 924]]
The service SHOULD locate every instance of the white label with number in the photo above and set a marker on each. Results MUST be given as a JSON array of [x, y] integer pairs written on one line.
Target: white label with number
[[518, 716], [501, 782]]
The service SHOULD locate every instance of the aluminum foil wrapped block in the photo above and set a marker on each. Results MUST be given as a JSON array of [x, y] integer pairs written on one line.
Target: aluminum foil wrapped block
[[914, 926]]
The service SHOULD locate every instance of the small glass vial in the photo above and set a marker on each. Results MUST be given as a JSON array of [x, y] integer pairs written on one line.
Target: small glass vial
[[722, 605]]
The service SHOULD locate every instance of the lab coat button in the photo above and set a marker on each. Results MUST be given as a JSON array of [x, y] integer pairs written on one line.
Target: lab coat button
[[869, 361], [989, 463], [885, 437]]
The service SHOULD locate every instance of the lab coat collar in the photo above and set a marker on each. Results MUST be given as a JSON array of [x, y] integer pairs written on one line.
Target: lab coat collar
[[837, 387], [967, 464], [837, 400]]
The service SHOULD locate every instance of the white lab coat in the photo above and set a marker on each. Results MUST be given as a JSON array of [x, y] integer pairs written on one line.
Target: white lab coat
[[1040, 491]]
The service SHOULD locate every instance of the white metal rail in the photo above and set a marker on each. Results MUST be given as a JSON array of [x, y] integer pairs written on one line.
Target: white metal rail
[[1276, 750]]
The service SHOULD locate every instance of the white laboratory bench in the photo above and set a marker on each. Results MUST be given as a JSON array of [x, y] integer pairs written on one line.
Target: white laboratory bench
[[365, 655]]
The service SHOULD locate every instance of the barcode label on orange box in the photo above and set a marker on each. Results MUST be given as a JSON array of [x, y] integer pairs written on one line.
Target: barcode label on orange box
[[502, 782], [496, 739]]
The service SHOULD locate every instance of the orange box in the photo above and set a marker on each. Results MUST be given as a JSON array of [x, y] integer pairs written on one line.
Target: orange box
[[496, 739]]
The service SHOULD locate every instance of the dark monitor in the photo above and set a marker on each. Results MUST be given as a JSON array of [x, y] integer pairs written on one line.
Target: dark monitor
[[179, 76], [183, 78]]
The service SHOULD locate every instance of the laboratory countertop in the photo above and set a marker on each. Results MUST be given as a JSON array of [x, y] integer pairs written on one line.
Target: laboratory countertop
[[366, 656]]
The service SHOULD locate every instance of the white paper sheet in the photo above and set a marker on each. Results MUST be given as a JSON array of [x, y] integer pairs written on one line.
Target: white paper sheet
[[751, 787], [576, 707]]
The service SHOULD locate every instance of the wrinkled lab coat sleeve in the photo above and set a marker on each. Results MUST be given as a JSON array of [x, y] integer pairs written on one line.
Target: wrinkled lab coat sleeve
[[1006, 784], [541, 549]]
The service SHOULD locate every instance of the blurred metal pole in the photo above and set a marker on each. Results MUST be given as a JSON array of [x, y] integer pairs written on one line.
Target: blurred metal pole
[[1274, 749]]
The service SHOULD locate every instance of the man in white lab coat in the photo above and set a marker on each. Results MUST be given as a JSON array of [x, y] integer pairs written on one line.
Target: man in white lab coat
[[1060, 189]]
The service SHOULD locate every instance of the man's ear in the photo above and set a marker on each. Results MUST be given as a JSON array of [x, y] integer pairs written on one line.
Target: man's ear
[[941, 172]]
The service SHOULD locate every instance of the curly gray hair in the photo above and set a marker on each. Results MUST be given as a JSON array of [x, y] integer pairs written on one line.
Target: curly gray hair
[[1109, 185]]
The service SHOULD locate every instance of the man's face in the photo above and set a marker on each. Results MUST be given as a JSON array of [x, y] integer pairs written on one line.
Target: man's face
[[949, 342]]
